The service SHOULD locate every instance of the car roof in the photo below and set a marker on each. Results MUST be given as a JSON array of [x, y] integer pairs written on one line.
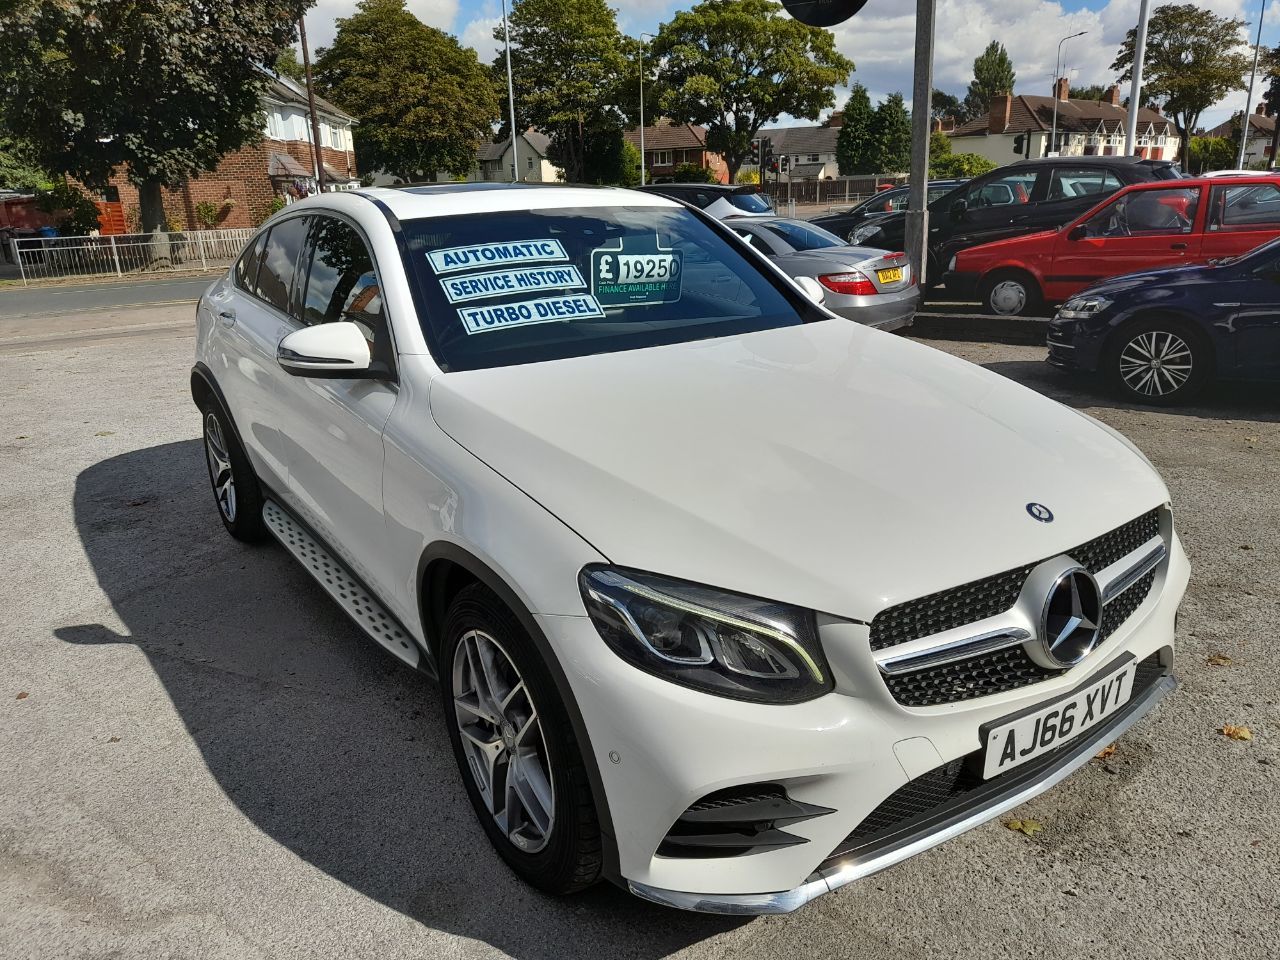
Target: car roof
[[453, 199], [1113, 161], [1185, 182], [705, 187]]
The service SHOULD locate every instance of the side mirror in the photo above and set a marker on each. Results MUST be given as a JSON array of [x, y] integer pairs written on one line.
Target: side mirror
[[958, 208], [1077, 233], [335, 351], [811, 289]]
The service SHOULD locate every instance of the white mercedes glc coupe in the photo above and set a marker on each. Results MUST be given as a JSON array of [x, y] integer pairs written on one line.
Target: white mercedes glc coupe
[[731, 601]]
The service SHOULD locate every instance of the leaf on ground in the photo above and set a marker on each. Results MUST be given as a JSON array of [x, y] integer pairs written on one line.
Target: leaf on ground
[[113, 740], [1236, 732], [1246, 546], [1029, 827], [105, 433], [1105, 752], [23, 695], [1218, 660], [22, 436]]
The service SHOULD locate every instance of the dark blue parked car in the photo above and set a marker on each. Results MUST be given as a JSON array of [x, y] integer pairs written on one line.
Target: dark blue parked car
[[1162, 335]]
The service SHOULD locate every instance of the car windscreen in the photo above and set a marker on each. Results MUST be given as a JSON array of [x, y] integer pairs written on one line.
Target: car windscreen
[[802, 236], [533, 285], [750, 202]]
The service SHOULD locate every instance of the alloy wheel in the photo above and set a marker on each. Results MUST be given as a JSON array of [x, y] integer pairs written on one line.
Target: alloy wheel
[[1156, 363], [224, 482], [503, 741], [1008, 297]]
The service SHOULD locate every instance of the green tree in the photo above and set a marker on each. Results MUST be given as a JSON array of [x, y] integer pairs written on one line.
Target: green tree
[[288, 65], [992, 76], [1193, 59], [629, 172], [856, 149], [891, 131], [955, 166], [736, 65], [1094, 91], [939, 149], [19, 168], [1210, 153], [162, 88], [943, 105], [570, 67], [422, 100]]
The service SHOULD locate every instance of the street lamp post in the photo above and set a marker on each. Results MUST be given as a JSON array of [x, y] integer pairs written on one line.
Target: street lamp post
[[1248, 99], [1057, 67], [511, 97], [642, 168], [1135, 85]]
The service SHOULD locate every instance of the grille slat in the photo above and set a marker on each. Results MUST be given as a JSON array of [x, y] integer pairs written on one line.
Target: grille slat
[[1011, 668]]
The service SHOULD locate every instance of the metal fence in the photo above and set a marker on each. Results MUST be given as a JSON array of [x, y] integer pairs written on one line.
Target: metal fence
[[843, 191], [130, 255]]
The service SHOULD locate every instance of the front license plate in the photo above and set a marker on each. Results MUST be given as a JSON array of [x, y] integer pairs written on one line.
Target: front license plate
[[1017, 741], [889, 276]]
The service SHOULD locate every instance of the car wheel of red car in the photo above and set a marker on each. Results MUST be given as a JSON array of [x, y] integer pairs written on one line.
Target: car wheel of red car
[[1159, 361], [1010, 293]]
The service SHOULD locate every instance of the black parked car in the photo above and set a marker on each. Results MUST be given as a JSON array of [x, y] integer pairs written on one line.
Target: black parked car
[[1162, 335], [720, 200], [1022, 198], [843, 224]]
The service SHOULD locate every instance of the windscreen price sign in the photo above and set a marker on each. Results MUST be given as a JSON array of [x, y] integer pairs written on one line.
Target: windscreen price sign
[[634, 271]]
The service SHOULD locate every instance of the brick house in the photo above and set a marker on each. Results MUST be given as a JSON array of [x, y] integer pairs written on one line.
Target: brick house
[[666, 145], [246, 181], [1262, 127], [1018, 127]]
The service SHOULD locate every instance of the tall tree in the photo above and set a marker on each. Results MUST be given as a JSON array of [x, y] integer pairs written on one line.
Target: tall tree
[[422, 100], [19, 168], [288, 65], [736, 65], [856, 150], [992, 76], [943, 105], [1094, 91], [891, 130], [569, 64], [1193, 59], [163, 88], [1271, 97]]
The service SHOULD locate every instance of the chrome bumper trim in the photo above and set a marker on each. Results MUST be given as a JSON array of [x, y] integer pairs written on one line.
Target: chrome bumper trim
[[1129, 569], [753, 904]]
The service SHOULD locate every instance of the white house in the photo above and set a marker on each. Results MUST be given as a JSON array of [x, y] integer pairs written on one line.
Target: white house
[[495, 162], [811, 149], [1262, 127]]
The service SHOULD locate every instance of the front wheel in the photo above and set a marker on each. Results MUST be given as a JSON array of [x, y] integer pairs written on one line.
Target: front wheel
[[1010, 294], [1157, 361], [515, 747]]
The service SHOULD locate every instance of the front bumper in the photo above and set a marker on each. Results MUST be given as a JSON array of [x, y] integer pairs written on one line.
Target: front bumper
[[661, 747], [884, 311]]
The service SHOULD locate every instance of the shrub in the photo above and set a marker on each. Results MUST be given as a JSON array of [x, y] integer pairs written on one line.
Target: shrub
[[693, 173], [74, 213], [747, 176]]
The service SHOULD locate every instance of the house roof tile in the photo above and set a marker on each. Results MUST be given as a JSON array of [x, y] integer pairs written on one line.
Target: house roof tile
[[810, 139], [1029, 113], [669, 136]]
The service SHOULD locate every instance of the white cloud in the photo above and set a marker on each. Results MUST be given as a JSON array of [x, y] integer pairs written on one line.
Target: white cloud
[[321, 18], [478, 34]]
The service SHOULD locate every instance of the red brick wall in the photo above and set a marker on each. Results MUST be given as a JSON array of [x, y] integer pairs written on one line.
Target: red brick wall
[[240, 177]]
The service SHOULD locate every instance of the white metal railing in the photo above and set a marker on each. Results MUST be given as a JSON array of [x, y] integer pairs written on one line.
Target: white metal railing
[[134, 254]]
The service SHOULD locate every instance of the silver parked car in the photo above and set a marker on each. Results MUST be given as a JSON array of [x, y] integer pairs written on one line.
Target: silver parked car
[[865, 284]]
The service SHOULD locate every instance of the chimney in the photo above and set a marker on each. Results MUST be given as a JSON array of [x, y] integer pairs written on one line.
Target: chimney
[[1061, 87], [998, 119], [1262, 110], [1113, 95]]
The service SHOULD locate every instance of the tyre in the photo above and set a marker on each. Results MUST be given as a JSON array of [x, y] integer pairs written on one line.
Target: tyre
[[1010, 293], [1158, 361], [515, 747], [235, 487]]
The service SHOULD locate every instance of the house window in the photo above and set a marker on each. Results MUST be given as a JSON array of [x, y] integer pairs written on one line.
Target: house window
[[662, 158], [529, 163], [813, 158]]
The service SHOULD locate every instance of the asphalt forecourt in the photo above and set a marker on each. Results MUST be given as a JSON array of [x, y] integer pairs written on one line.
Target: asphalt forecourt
[[204, 758]]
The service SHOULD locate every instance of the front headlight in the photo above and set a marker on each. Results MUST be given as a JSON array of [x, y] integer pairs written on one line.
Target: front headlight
[[1081, 308], [722, 643], [863, 233]]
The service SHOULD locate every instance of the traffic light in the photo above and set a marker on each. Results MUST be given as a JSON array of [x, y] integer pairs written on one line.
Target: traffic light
[[757, 152], [786, 164]]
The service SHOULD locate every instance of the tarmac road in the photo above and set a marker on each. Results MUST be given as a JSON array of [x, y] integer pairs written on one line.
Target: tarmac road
[[42, 300], [202, 757]]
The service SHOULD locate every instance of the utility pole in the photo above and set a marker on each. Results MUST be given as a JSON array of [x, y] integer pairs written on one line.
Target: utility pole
[[311, 107], [1248, 97], [511, 97], [1057, 70], [917, 236], [642, 154], [1135, 88]]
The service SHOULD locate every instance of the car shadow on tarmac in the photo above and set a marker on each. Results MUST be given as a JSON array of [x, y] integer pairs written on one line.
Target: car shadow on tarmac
[[321, 740]]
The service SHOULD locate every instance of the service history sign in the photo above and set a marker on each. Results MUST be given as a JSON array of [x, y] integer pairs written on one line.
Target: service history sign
[[636, 270]]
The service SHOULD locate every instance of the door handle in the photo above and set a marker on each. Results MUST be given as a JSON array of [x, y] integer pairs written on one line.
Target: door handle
[[227, 316], [1177, 246]]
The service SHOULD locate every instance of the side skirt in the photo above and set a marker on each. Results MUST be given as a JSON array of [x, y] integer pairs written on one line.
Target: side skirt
[[356, 600]]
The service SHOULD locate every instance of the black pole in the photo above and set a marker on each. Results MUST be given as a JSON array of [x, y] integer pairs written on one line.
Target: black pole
[[311, 106], [917, 238]]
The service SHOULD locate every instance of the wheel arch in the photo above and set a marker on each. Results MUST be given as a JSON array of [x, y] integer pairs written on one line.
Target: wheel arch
[[205, 386], [445, 568]]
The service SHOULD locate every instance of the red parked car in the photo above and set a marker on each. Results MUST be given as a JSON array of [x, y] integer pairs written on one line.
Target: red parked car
[[1146, 226]]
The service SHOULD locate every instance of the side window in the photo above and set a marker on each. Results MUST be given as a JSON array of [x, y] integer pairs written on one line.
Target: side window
[[1009, 189], [341, 282], [1070, 183], [1245, 207], [1146, 213], [280, 261], [246, 272]]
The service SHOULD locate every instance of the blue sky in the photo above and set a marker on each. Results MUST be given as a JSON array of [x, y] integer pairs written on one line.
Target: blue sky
[[880, 38]]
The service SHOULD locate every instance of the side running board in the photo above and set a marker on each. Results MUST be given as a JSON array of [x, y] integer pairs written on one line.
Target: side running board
[[359, 605]]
